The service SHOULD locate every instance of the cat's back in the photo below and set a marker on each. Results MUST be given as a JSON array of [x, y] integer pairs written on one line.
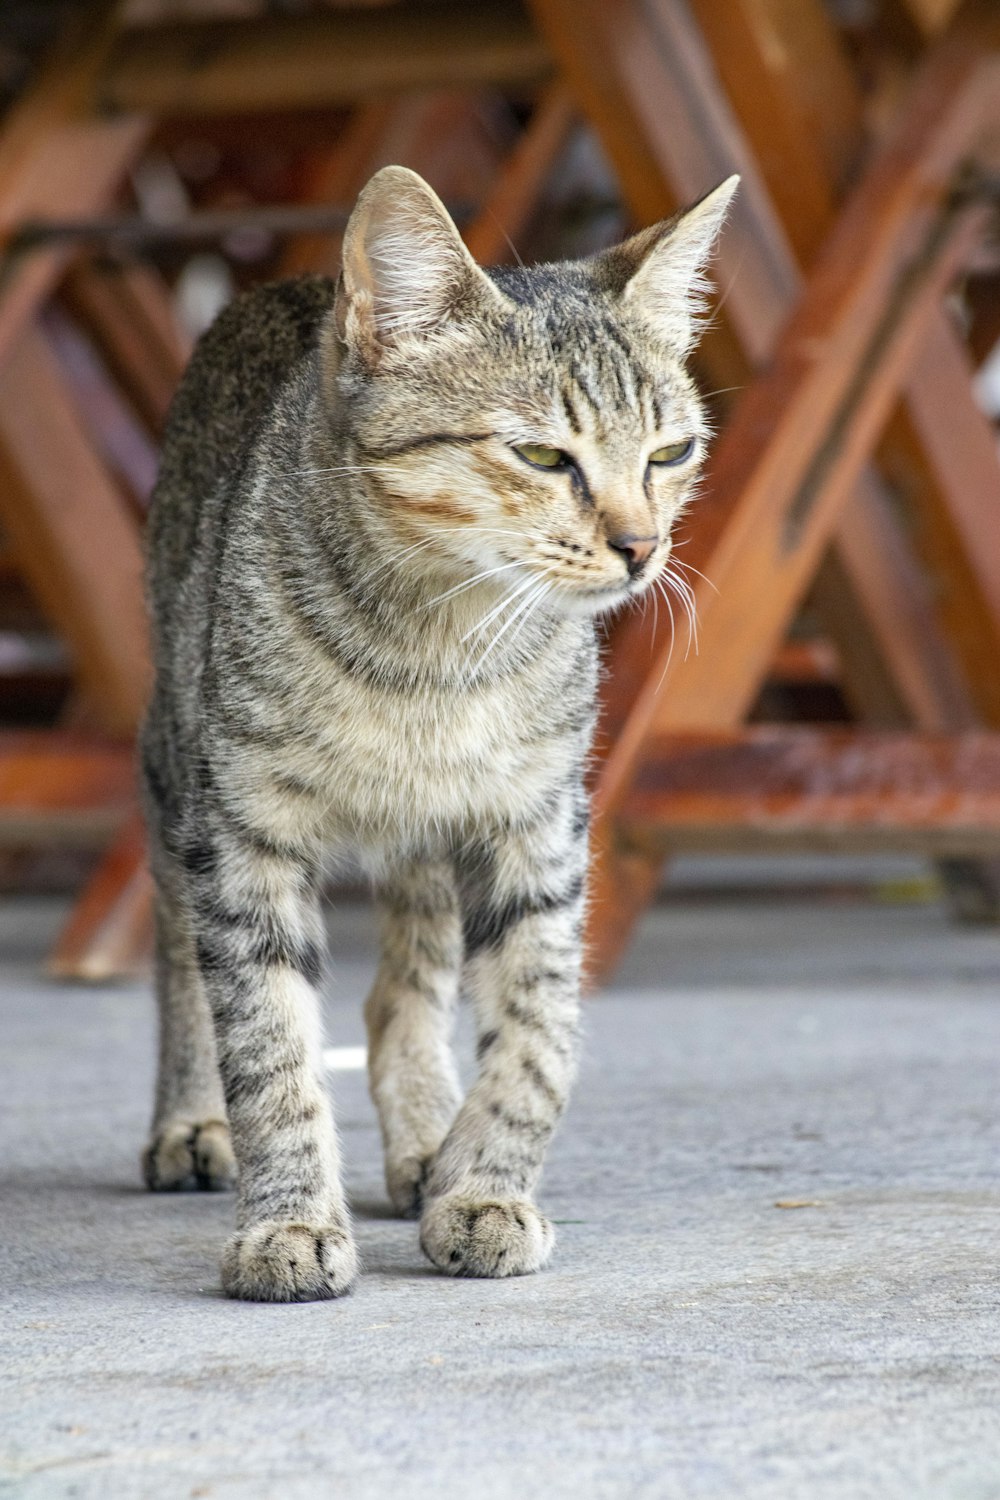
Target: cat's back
[[238, 369]]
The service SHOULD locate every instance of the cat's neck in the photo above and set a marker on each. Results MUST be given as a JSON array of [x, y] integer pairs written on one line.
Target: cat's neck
[[424, 617]]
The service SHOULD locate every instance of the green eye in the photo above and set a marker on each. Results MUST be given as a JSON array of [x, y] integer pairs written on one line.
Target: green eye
[[673, 453], [542, 457]]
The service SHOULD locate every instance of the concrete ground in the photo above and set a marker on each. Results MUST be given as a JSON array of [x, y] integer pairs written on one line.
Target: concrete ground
[[693, 1337]]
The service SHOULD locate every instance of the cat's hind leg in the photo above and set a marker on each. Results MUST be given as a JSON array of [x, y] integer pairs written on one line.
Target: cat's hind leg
[[409, 1016], [189, 1145]]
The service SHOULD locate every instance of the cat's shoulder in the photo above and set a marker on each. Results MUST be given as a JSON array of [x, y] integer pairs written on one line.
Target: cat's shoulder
[[276, 321]]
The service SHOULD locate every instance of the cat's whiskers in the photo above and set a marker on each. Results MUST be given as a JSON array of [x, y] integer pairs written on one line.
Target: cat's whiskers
[[527, 616], [690, 568], [508, 598], [469, 583], [685, 594], [660, 585], [534, 594], [339, 469], [437, 536]]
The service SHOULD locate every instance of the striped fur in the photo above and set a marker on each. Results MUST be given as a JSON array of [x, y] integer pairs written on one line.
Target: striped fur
[[374, 633]]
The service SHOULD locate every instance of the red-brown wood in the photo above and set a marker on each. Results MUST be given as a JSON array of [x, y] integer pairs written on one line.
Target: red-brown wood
[[782, 786], [125, 310], [73, 537], [110, 931], [802, 431], [514, 196], [58, 785], [946, 447], [58, 159], [323, 58]]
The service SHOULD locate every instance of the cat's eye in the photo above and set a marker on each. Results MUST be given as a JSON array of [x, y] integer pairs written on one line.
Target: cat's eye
[[542, 457], [673, 453]]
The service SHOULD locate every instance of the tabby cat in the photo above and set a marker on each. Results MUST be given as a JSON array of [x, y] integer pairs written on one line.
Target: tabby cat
[[388, 514]]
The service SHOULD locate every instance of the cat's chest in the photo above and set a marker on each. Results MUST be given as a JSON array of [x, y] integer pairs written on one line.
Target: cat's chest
[[388, 768], [447, 759]]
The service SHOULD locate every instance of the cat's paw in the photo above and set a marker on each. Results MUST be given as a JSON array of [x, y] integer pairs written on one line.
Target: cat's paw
[[190, 1154], [406, 1180], [279, 1262], [466, 1236]]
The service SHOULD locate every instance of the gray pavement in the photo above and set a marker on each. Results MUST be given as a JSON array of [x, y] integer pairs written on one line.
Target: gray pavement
[[691, 1338]]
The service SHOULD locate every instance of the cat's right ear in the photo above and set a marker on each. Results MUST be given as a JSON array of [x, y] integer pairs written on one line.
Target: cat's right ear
[[406, 272]]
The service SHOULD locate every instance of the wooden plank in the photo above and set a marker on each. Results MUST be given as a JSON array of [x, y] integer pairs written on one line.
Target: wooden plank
[[902, 639], [110, 931], [320, 59], [788, 457], [783, 788], [701, 132], [782, 64], [678, 121], [445, 136], [768, 509], [125, 310], [336, 175], [940, 453], [887, 609], [63, 787], [74, 540], [942, 457], [643, 77], [56, 160], [514, 196], [807, 662], [780, 120]]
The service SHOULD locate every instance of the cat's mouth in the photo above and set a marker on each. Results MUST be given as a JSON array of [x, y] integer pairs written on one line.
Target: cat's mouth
[[613, 593]]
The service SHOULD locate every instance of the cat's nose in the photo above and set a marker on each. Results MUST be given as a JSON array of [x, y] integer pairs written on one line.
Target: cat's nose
[[636, 550]]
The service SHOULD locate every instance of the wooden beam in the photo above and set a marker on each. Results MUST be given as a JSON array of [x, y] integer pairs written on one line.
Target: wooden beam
[[781, 788], [799, 435], [446, 136], [941, 455], [782, 64], [644, 79], [110, 931], [74, 540], [125, 310], [320, 59], [899, 666], [57, 160], [63, 787], [514, 196]]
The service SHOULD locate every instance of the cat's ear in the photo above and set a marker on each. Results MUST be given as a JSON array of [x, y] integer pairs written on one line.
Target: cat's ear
[[406, 271], [660, 273]]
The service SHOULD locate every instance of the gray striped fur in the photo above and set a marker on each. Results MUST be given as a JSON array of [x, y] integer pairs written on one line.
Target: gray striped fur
[[373, 627]]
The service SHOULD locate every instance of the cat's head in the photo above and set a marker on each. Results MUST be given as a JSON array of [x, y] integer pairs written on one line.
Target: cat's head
[[532, 425]]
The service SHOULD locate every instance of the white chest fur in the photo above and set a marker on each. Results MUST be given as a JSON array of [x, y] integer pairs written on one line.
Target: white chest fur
[[380, 767]]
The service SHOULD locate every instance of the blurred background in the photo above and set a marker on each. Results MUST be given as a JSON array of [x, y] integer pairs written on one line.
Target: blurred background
[[833, 733]]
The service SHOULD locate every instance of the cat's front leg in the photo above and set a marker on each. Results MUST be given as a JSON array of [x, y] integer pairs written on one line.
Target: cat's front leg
[[522, 895], [409, 1017], [260, 947]]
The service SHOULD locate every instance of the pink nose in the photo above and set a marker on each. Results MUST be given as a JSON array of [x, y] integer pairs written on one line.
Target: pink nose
[[636, 550]]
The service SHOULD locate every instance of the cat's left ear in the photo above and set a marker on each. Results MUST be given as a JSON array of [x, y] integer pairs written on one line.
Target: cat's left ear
[[660, 272], [406, 271]]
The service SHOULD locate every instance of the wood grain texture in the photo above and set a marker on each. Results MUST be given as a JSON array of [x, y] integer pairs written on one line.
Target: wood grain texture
[[75, 542], [315, 60], [783, 787]]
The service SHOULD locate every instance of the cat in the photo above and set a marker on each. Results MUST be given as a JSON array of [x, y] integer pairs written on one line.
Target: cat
[[388, 515]]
